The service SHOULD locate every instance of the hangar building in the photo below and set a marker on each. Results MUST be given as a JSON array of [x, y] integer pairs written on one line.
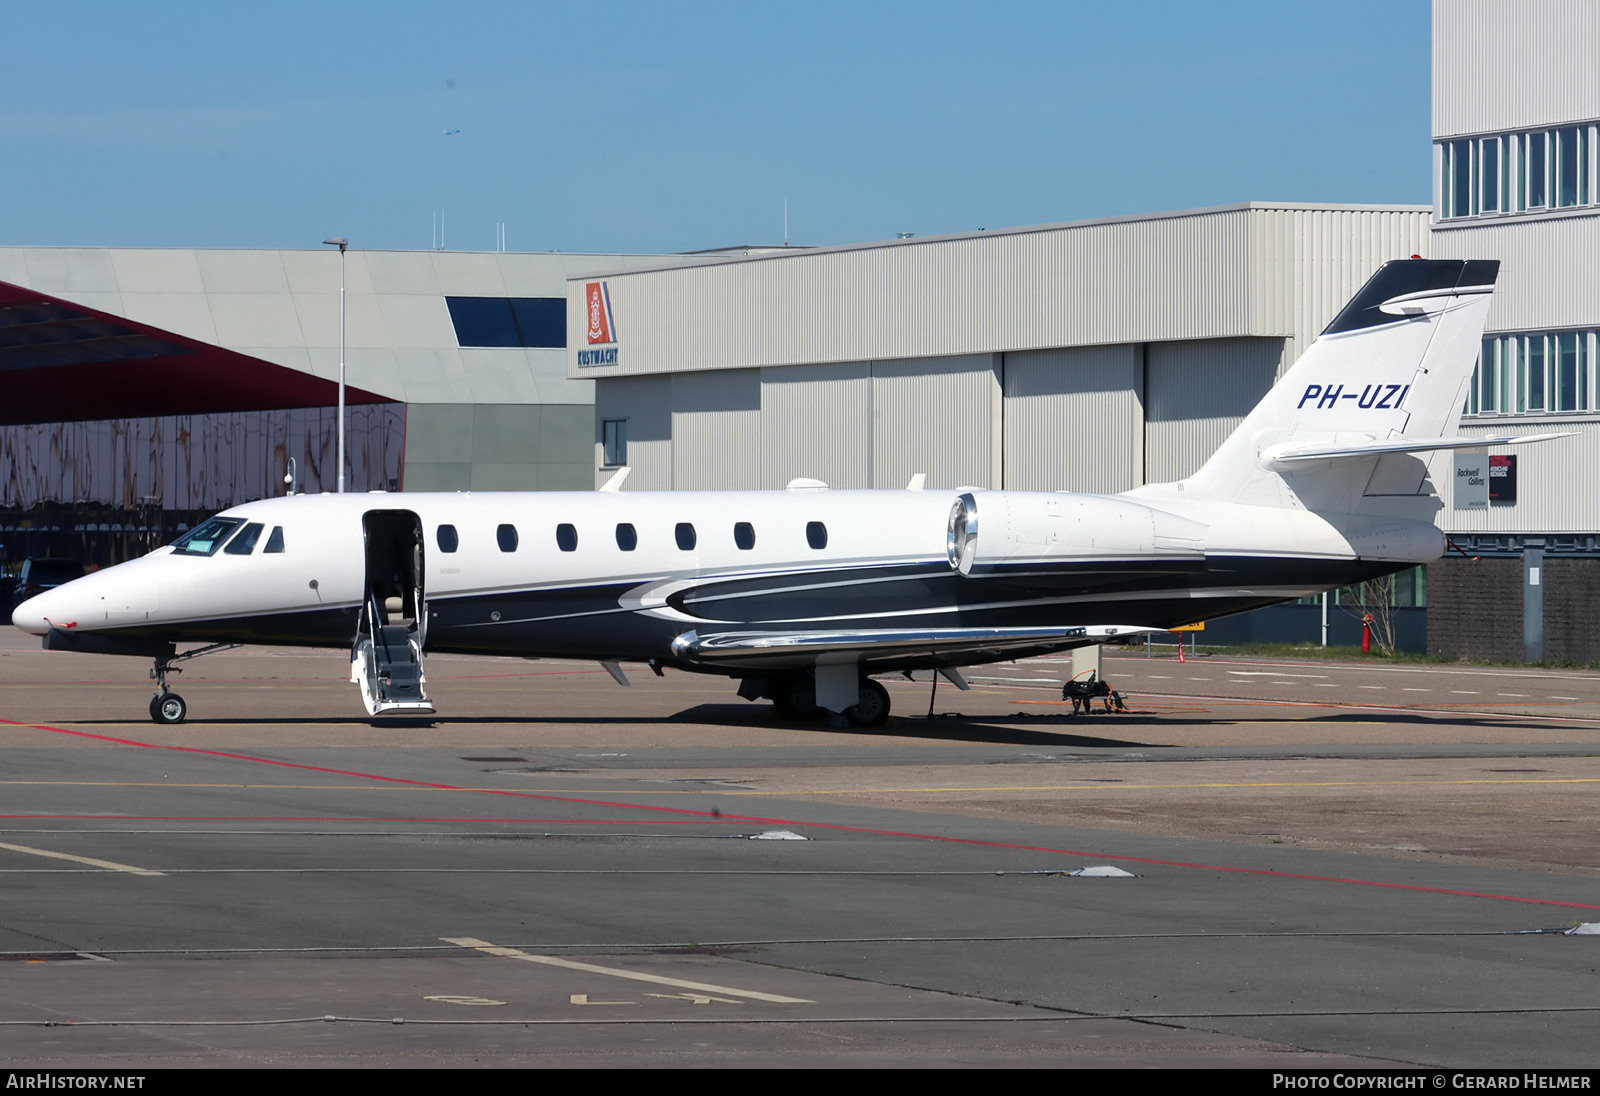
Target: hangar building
[[1516, 153], [1091, 356], [141, 390]]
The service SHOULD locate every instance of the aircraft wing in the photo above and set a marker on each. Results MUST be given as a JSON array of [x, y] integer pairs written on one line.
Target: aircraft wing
[[781, 648]]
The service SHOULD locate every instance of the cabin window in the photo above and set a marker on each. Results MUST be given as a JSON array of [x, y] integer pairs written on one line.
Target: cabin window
[[245, 542], [684, 533], [506, 535], [567, 537], [204, 539], [274, 542], [449, 540], [816, 535], [744, 535], [627, 537]]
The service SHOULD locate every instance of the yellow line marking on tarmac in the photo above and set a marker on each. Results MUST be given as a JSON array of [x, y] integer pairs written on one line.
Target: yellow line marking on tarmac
[[637, 976], [109, 865]]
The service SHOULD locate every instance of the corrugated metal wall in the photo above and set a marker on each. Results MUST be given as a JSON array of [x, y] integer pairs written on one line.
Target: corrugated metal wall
[[646, 402], [817, 422], [1504, 66], [1173, 276], [1555, 485], [1307, 262], [937, 417], [1196, 393], [1229, 296], [1549, 268], [716, 430], [1074, 419], [860, 424], [198, 462]]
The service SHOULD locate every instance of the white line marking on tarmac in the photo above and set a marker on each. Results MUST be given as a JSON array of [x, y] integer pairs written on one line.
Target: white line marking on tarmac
[[1270, 673], [637, 976], [109, 865]]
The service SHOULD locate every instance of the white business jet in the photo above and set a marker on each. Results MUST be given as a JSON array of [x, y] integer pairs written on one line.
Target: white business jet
[[803, 594]]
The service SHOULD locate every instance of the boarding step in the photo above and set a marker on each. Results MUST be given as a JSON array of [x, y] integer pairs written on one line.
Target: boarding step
[[388, 667]]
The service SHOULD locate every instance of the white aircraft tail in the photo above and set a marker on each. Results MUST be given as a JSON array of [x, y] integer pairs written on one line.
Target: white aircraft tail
[[1384, 381]]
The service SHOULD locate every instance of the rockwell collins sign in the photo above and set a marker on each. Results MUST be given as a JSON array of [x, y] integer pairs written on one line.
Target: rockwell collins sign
[[1472, 479]]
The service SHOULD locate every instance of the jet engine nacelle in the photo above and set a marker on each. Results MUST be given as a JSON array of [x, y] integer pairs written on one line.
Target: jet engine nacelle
[[1002, 527]]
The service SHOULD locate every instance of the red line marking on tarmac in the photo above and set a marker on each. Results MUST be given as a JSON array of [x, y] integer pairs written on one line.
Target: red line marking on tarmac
[[709, 820], [1266, 872]]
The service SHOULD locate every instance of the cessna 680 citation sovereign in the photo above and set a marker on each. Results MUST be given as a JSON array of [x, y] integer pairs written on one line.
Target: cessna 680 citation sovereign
[[804, 594]]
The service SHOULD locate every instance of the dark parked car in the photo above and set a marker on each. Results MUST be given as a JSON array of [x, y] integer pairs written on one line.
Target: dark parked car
[[39, 575]]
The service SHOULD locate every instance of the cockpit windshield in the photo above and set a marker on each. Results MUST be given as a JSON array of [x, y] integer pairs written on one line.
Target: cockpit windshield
[[204, 539]]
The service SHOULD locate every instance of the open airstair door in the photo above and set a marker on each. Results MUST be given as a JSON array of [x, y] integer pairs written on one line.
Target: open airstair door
[[386, 660]]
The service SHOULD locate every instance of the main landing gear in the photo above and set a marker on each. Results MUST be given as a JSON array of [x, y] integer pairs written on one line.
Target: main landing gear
[[167, 706], [794, 696]]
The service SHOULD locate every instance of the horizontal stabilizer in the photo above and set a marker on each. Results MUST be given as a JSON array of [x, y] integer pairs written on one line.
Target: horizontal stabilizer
[[1281, 456]]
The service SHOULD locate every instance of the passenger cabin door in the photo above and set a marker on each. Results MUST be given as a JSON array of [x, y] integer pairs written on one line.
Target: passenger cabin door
[[386, 660]]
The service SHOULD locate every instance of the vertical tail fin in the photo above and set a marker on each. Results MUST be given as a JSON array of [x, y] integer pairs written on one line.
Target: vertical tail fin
[[1389, 372]]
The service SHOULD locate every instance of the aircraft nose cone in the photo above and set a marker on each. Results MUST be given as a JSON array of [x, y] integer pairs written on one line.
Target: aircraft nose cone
[[40, 611]]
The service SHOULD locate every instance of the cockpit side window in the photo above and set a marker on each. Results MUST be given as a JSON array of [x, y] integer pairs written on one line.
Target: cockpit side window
[[274, 542], [245, 542], [204, 539]]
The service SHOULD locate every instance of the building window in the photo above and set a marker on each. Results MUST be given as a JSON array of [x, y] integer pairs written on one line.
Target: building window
[[816, 535], [627, 537], [1517, 172], [614, 442], [506, 536], [744, 535], [536, 322], [1537, 372], [683, 533]]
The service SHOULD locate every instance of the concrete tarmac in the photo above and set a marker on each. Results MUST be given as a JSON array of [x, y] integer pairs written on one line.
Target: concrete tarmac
[[1315, 865]]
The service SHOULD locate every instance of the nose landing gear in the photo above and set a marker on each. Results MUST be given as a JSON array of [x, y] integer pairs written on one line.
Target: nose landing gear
[[166, 706]]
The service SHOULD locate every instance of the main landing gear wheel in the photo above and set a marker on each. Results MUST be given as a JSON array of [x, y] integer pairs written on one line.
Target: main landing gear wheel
[[872, 709], [796, 698], [168, 708]]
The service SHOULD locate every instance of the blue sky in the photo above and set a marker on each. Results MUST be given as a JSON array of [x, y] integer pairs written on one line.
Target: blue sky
[[675, 126]]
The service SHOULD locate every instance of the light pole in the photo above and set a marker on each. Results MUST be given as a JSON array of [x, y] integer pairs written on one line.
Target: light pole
[[341, 243]]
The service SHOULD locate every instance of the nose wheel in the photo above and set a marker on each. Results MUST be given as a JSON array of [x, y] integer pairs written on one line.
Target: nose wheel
[[168, 708]]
